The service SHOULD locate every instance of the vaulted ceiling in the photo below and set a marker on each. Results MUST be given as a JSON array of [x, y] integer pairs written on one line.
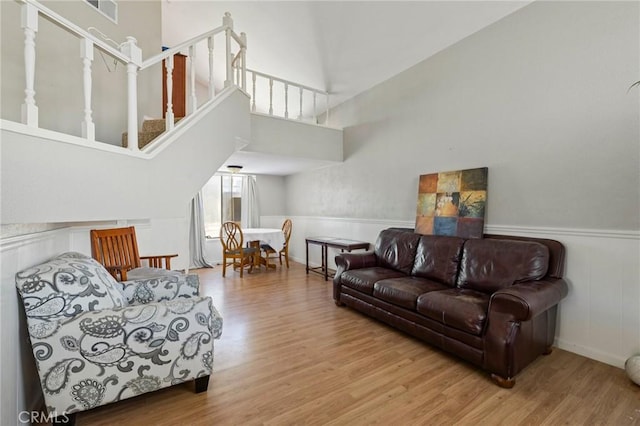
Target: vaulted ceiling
[[343, 47]]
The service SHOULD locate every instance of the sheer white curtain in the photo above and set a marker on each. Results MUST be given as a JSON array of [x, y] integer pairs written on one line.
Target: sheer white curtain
[[197, 234], [250, 216]]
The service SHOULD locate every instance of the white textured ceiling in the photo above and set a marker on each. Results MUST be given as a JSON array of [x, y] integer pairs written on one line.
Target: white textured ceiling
[[344, 47]]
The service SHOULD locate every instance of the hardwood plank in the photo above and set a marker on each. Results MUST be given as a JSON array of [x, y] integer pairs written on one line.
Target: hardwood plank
[[288, 355]]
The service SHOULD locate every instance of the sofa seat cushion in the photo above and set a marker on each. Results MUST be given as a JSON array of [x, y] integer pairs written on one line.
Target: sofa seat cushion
[[364, 279], [404, 291], [463, 309]]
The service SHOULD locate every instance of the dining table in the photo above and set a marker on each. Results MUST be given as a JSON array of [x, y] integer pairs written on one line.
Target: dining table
[[254, 237]]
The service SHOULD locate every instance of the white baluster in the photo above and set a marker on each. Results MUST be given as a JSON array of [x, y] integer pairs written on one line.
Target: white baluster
[[237, 79], [243, 60], [315, 113], [228, 22], [253, 97], [134, 53], [270, 96], [169, 116], [193, 101], [86, 54], [211, 85], [286, 100], [326, 118], [300, 114], [30, 26]]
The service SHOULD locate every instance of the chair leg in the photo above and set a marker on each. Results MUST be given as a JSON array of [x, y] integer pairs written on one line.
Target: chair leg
[[224, 266], [241, 267], [202, 383]]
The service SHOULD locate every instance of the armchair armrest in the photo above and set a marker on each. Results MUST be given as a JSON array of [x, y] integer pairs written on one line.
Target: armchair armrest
[[122, 352], [156, 261], [156, 289], [526, 300]]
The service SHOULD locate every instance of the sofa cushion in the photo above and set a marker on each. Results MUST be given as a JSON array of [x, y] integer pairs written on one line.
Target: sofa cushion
[[463, 309], [490, 265], [396, 249], [404, 291], [67, 285], [437, 258], [364, 279]]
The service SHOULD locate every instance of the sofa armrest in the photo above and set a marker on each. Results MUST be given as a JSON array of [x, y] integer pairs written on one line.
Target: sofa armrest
[[526, 300], [349, 261], [156, 289]]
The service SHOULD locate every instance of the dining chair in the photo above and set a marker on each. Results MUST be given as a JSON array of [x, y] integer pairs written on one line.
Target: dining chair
[[117, 250], [270, 252], [233, 251]]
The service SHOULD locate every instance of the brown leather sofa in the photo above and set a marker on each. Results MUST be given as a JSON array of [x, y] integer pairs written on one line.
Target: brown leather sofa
[[491, 301]]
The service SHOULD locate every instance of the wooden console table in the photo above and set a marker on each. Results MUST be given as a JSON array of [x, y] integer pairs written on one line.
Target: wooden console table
[[325, 243]]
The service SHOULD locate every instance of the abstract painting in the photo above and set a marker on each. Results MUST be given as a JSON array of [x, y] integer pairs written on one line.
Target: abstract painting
[[452, 203]]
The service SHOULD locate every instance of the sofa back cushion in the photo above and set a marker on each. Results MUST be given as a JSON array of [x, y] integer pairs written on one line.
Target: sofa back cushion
[[65, 286], [396, 249], [437, 258], [489, 265]]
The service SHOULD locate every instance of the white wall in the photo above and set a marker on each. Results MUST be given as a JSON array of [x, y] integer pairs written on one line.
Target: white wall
[[540, 98], [59, 93], [77, 182]]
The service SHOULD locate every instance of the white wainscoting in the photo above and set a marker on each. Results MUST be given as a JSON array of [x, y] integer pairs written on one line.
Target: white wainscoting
[[599, 319], [19, 385]]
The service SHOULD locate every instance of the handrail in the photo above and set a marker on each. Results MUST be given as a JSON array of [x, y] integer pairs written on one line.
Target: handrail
[[288, 83], [130, 54], [76, 30], [282, 80], [180, 47]]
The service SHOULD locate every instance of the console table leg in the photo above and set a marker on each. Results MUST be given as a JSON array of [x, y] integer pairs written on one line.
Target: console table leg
[[307, 251]]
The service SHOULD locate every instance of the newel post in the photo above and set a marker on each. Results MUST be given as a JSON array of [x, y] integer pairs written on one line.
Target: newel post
[[30, 26], [228, 23], [131, 49]]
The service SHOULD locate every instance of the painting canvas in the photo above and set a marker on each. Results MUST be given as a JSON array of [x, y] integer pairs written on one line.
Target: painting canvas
[[452, 203]]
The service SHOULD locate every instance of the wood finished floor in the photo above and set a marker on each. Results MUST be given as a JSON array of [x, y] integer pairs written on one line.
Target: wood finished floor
[[288, 355]]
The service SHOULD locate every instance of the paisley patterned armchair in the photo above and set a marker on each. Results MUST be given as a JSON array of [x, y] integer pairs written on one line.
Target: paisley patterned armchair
[[97, 341]]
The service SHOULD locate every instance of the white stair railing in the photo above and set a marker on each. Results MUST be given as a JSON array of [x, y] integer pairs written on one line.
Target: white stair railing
[[130, 55], [313, 109]]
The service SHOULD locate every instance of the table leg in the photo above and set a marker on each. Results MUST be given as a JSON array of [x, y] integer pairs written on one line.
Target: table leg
[[307, 250], [325, 262], [256, 257]]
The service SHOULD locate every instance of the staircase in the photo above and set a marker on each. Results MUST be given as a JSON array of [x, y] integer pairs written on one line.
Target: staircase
[[151, 129]]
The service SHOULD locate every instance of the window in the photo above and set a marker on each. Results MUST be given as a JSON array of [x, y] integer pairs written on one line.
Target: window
[[222, 200], [108, 8]]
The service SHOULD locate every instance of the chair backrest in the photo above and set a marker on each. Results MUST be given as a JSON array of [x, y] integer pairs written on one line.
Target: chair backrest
[[231, 236], [115, 247], [286, 229]]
